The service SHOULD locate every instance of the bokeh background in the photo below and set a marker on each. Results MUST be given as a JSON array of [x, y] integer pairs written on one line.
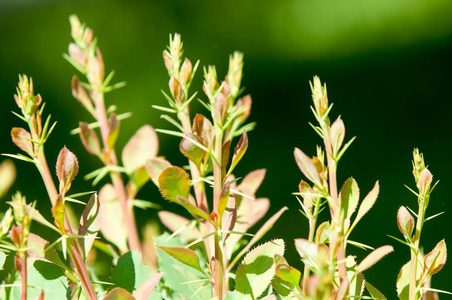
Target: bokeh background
[[386, 64]]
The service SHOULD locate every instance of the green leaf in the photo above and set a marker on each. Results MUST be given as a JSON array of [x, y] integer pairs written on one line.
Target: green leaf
[[130, 272], [119, 294], [349, 197], [180, 278], [112, 227], [337, 134], [155, 166], [193, 209], [142, 146], [239, 151], [173, 182], [376, 294], [307, 167], [138, 179], [36, 247], [403, 281], [257, 269], [113, 124], [90, 223], [184, 255], [58, 212], [366, 204], [288, 273], [191, 151]]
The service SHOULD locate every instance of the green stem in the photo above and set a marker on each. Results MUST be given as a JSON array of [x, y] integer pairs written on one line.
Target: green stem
[[413, 295], [312, 224]]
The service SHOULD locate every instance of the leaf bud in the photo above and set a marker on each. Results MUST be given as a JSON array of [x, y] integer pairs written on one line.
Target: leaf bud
[[67, 169], [405, 222], [185, 72], [424, 182], [418, 164], [319, 97], [176, 89], [77, 54], [6, 223]]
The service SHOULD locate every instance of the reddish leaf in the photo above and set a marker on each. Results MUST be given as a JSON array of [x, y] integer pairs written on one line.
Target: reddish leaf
[[435, 260], [405, 221], [252, 182], [67, 169], [112, 227], [79, 93], [146, 288], [20, 136], [175, 222], [119, 294], [142, 146], [89, 139]]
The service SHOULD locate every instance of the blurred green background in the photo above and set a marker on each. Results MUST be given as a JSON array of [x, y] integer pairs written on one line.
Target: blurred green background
[[386, 63]]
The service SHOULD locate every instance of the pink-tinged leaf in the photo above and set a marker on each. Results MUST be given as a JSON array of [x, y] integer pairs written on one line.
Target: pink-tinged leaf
[[79, 93], [403, 280], [36, 215], [192, 208], [173, 182], [145, 290], [185, 71], [225, 153], [374, 257], [113, 125], [90, 223], [342, 292], [203, 128], [58, 212], [20, 136], [374, 293], [260, 208], [308, 251], [435, 260], [112, 227], [337, 134], [224, 199], [220, 108], [184, 255], [190, 150], [119, 294], [425, 180], [155, 166], [252, 182], [239, 151], [77, 54], [307, 167], [306, 191], [246, 103], [405, 221], [323, 233], [349, 197], [66, 168], [36, 246], [367, 203], [89, 139], [175, 222], [142, 146], [177, 91]]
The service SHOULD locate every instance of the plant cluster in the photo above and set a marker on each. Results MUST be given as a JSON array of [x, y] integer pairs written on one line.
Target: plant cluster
[[211, 251]]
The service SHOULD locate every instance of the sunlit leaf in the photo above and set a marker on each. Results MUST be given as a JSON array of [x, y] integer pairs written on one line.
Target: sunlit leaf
[[184, 255], [119, 294], [374, 257], [130, 273], [174, 222], [192, 208], [67, 169], [224, 198], [257, 269], [435, 259], [173, 182], [288, 273], [58, 212], [21, 138], [191, 151], [90, 223], [113, 125], [112, 227], [239, 151], [36, 246], [367, 204], [142, 146], [252, 182], [155, 166], [376, 294], [349, 197], [337, 134], [146, 288], [405, 222], [307, 167]]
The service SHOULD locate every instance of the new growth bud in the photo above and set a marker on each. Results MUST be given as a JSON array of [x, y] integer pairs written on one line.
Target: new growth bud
[[319, 96], [25, 98]]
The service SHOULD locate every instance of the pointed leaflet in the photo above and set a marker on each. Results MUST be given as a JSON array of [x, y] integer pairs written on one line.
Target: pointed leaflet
[[112, 227], [286, 272], [155, 166], [173, 182], [146, 288], [376, 294], [119, 294], [367, 203], [374, 257], [36, 215], [190, 150], [142, 146], [239, 151], [337, 134], [20, 137], [435, 260], [257, 269], [89, 139], [175, 222], [184, 255], [307, 167], [349, 197], [90, 223]]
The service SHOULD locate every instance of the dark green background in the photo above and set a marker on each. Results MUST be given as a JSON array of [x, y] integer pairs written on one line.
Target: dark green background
[[386, 64]]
